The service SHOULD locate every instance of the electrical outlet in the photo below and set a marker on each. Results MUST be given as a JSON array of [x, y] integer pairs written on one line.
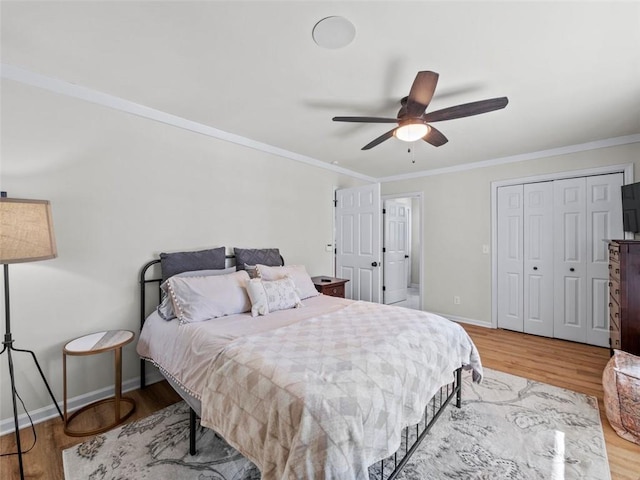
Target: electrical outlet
[[456, 300]]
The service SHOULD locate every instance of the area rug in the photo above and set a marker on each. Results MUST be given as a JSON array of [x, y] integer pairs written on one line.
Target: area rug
[[508, 428]]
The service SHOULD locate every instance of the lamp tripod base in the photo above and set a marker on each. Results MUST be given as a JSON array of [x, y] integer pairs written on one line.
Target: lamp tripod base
[[9, 348]]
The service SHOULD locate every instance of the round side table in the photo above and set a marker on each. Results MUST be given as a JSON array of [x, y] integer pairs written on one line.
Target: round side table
[[93, 344]]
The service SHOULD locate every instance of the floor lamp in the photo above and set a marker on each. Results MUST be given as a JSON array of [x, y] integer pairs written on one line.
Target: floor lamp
[[26, 235]]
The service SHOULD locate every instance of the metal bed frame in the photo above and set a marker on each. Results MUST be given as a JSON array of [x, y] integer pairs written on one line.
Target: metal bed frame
[[412, 436]]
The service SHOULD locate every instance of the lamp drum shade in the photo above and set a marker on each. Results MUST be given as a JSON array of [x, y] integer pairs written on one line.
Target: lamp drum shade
[[26, 231]]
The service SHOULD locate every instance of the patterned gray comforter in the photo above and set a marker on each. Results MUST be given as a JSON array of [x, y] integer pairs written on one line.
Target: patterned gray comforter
[[329, 396]]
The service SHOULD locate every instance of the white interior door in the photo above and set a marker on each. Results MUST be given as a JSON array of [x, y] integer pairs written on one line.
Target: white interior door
[[396, 229], [604, 223], [559, 231], [538, 258], [510, 258], [570, 245], [408, 257], [359, 241]]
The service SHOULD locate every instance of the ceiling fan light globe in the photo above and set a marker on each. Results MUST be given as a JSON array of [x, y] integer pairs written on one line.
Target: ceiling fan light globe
[[410, 132]]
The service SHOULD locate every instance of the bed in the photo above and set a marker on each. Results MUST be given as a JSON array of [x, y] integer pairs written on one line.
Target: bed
[[334, 389]]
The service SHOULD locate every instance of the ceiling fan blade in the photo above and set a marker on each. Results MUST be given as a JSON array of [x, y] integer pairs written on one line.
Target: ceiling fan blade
[[435, 137], [421, 93], [467, 109], [365, 119], [379, 140]]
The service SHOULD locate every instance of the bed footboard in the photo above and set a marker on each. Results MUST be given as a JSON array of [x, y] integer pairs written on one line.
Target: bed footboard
[[412, 436]]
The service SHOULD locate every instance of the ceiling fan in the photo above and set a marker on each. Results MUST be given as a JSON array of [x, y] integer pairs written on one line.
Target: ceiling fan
[[413, 121]]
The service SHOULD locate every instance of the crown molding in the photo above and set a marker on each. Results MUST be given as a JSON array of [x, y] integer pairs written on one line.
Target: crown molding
[[552, 152], [27, 77]]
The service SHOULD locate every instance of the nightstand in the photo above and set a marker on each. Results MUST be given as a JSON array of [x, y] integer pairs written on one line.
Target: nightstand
[[92, 344], [331, 286]]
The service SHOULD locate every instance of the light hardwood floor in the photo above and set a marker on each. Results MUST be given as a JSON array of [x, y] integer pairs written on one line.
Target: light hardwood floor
[[564, 364]]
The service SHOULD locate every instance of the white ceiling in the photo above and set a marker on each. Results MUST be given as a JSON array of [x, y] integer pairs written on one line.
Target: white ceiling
[[571, 70]]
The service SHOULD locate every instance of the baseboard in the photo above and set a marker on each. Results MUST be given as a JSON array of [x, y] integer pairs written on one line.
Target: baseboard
[[40, 415], [470, 321]]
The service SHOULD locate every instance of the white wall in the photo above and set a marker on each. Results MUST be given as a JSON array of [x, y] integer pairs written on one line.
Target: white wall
[[122, 190], [457, 223]]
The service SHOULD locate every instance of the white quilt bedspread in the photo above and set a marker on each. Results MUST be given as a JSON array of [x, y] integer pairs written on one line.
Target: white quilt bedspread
[[185, 352], [327, 397]]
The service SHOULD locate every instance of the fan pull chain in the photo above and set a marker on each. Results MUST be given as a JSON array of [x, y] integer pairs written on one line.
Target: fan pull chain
[[413, 154]]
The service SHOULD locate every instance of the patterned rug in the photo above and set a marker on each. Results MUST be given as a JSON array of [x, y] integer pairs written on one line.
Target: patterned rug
[[508, 428]]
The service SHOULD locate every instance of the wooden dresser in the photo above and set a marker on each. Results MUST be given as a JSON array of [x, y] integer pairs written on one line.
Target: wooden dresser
[[330, 285], [624, 295]]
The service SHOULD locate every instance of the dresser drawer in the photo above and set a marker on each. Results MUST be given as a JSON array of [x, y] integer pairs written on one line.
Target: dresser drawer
[[614, 316], [614, 253], [614, 270], [615, 340], [334, 291], [614, 289]]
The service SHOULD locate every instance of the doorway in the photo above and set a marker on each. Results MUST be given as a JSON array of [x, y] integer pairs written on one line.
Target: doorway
[[360, 245], [402, 250]]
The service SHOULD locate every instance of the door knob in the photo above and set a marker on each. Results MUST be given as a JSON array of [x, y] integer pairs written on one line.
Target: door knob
[[572, 269], [406, 256], [374, 264], [535, 268]]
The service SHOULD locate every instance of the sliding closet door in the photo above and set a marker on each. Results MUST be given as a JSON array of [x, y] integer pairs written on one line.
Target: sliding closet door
[[570, 305], [538, 258], [510, 258], [604, 222]]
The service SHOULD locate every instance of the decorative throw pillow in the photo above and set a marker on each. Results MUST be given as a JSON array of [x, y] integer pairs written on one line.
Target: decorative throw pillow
[[178, 262], [253, 256], [258, 297], [165, 309], [272, 296], [196, 299], [298, 273]]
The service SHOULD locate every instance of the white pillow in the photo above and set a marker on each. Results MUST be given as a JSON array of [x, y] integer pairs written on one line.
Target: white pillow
[[201, 298], [258, 297], [165, 309], [270, 296], [297, 273]]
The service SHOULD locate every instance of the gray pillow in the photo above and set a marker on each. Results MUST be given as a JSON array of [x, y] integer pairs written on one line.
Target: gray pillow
[[252, 256], [178, 262]]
